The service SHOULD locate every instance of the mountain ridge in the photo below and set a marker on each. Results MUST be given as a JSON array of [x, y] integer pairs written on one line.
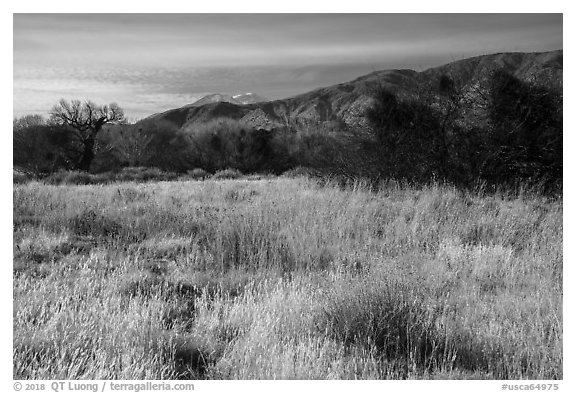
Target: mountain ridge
[[348, 101], [238, 99]]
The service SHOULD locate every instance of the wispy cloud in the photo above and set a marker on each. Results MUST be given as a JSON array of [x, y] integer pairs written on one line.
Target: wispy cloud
[[138, 58]]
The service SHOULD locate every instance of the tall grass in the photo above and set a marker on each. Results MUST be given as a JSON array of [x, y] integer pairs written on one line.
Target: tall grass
[[284, 278]]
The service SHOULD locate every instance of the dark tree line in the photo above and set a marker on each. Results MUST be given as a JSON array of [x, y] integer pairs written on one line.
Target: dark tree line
[[502, 131], [87, 138]]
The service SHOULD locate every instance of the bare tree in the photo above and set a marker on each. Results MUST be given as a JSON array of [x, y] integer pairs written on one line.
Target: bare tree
[[85, 120], [27, 121], [131, 143]]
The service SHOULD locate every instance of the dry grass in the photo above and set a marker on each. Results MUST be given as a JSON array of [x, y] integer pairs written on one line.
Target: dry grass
[[284, 278]]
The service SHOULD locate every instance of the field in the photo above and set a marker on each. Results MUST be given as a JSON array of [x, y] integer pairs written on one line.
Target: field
[[284, 278]]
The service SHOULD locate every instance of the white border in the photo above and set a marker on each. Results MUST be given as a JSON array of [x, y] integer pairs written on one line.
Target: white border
[[296, 6]]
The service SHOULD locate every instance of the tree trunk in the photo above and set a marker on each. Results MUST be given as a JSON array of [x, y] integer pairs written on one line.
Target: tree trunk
[[87, 155]]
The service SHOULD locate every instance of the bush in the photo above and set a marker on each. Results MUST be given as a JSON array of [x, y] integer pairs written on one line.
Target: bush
[[299, 171], [137, 174], [227, 174], [198, 174], [78, 178], [56, 178], [93, 223], [143, 174], [259, 176], [20, 177], [70, 177], [103, 178], [388, 314]]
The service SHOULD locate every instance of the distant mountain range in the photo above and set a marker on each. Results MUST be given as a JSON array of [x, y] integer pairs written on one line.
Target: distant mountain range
[[347, 102], [239, 99]]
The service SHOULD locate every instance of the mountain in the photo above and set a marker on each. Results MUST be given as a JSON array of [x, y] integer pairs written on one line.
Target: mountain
[[249, 98], [213, 98], [347, 102], [240, 99]]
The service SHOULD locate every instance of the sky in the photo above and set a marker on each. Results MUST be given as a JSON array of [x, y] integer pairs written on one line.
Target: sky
[[149, 63]]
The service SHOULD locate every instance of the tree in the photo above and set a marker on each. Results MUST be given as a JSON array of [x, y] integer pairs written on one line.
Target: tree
[[525, 130], [430, 132], [27, 121], [129, 143], [162, 145], [85, 120], [497, 128], [39, 148], [409, 133], [226, 143]]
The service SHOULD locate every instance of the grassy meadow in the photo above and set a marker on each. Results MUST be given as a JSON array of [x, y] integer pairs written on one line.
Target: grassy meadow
[[284, 278]]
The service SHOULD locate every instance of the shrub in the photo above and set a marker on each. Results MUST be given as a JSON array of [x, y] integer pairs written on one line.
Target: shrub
[[198, 174], [259, 176], [387, 314], [143, 174], [137, 174], [227, 174], [103, 178], [298, 172], [56, 178], [92, 223], [20, 177], [78, 178]]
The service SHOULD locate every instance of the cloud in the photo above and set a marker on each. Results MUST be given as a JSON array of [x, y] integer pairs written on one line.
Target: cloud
[[148, 61], [254, 39]]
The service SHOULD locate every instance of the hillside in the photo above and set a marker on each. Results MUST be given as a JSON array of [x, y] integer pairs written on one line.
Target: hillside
[[347, 102], [239, 99]]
